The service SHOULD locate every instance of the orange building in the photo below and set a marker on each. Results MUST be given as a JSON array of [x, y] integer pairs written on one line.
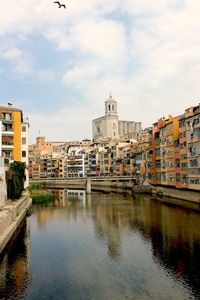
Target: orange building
[[11, 120]]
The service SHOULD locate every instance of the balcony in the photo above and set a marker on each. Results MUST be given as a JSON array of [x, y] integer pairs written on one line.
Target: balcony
[[7, 131], [7, 145], [6, 119]]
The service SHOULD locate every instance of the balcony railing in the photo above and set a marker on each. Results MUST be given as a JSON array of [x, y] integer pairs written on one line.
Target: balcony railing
[[6, 118], [7, 130], [7, 143]]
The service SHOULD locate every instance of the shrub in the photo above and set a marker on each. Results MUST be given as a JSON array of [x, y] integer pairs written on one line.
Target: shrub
[[15, 179], [35, 187], [42, 198]]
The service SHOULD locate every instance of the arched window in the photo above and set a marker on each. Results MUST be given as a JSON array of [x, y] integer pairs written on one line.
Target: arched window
[[109, 107], [113, 107]]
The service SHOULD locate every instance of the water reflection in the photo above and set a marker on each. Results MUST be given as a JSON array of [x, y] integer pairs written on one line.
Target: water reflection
[[107, 246], [174, 232], [15, 266]]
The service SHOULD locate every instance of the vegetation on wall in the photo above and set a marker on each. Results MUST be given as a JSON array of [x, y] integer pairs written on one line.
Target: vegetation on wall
[[35, 186], [44, 198], [15, 178]]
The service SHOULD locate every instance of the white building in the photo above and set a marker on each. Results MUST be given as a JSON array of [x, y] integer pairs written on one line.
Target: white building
[[24, 137], [109, 127], [4, 166]]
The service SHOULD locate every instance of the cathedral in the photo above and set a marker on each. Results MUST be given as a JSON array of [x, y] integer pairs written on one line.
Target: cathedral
[[109, 127]]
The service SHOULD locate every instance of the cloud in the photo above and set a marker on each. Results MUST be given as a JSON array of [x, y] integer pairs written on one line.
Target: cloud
[[146, 53], [12, 53], [60, 125]]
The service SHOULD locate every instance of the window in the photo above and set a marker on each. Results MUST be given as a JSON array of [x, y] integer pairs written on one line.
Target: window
[[177, 162], [184, 156], [193, 163], [192, 150], [184, 166], [158, 176], [194, 181], [182, 134], [196, 121], [24, 128], [184, 179], [23, 141], [163, 164], [182, 146], [157, 141], [171, 163], [163, 176], [158, 164], [197, 132], [23, 153], [181, 124], [178, 177], [158, 152], [8, 117]]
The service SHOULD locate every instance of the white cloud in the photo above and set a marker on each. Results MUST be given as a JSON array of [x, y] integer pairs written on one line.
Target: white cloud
[[146, 53], [60, 125], [12, 53]]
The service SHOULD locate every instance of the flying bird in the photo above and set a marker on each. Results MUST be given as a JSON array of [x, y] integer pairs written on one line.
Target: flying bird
[[60, 5]]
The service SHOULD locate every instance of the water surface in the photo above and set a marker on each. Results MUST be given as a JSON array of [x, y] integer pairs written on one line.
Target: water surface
[[104, 246]]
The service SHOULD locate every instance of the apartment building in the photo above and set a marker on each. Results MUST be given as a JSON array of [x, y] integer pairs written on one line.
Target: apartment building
[[75, 165], [24, 148], [174, 151], [13, 137], [183, 151], [192, 123], [11, 133]]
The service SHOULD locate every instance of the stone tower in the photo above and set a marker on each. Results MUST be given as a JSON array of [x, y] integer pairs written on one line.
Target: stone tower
[[110, 107]]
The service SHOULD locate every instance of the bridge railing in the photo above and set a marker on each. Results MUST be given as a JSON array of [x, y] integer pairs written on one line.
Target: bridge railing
[[96, 178]]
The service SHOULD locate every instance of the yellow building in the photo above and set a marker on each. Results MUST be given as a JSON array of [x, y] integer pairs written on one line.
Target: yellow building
[[11, 133]]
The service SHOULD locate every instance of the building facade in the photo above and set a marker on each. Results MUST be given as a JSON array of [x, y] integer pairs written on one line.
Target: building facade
[[109, 127], [13, 141]]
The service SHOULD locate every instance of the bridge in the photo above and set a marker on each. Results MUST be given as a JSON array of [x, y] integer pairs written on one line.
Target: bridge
[[81, 179], [88, 182]]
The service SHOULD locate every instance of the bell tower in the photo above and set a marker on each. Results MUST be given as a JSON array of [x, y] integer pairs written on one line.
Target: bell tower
[[110, 106]]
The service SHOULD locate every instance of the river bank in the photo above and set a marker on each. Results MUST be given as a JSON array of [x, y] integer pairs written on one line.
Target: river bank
[[12, 215], [129, 187]]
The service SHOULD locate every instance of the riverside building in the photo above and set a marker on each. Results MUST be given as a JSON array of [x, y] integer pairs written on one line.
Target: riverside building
[[13, 140], [11, 133]]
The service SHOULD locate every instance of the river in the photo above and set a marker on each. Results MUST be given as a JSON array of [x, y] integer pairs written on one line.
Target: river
[[104, 246]]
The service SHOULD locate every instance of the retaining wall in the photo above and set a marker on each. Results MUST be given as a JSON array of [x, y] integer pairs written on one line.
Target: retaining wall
[[11, 216], [185, 195]]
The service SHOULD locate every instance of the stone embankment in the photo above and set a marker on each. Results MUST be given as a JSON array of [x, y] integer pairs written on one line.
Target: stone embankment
[[125, 184], [11, 216], [185, 195]]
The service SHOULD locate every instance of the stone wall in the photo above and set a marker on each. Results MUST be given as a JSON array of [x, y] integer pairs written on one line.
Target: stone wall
[[11, 216], [186, 195], [3, 186]]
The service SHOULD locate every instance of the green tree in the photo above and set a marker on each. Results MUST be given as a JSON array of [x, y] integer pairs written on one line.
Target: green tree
[[15, 179]]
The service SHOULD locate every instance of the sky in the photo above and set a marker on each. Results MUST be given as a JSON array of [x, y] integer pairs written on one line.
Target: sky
[[59, 66]]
